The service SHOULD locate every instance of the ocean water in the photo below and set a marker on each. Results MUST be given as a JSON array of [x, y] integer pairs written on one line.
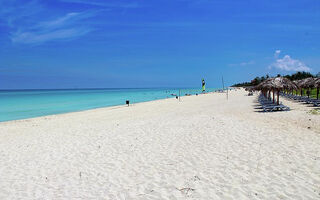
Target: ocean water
[[23, 104]]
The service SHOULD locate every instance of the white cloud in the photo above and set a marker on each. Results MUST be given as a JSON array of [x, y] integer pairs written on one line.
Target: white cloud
[[38, 37], [66, 27], [29, 23], [103, 3], [288, 64], [59, 21], [243, 63]]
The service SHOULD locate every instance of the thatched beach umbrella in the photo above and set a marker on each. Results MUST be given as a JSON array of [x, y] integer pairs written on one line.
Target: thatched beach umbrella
[[264, 87], [281, 83], [299, 84], [277, 84], [268, 86], [308, 83], [284, 83]]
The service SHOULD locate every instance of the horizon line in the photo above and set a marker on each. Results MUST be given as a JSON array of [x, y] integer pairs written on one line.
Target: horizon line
[[26, 89]]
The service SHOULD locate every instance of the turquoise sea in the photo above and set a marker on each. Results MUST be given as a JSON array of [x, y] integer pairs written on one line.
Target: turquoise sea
[[22, 104]]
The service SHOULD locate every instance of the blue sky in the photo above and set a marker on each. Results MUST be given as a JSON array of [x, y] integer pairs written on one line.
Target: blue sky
[[154, 43]]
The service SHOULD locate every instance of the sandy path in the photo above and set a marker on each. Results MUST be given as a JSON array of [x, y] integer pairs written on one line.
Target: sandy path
[[204, 147]]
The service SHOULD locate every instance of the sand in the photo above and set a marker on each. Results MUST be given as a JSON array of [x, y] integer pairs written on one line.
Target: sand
[[204, 147]]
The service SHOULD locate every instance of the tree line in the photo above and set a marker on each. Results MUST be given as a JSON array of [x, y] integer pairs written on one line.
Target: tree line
[[292, 77]]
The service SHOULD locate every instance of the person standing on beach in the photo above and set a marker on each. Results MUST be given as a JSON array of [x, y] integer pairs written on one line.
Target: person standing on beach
[[203, 85]]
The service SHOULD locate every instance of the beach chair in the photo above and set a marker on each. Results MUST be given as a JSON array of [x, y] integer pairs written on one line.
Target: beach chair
[[268, 105], [316, 102], [272, 108]]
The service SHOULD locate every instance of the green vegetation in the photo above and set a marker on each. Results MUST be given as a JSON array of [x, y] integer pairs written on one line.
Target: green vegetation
[[314, 112], [292, 77], [299, 76], [313, 92]]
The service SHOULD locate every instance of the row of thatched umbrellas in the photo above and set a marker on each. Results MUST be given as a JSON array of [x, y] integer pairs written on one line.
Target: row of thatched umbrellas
[[308, 83], [275, 85]]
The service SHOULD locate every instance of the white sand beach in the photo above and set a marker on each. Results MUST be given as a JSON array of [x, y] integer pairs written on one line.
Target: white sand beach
[[204, 147]]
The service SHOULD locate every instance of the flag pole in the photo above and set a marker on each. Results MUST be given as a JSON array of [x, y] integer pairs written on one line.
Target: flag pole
[[222, 84], [223, 88]]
